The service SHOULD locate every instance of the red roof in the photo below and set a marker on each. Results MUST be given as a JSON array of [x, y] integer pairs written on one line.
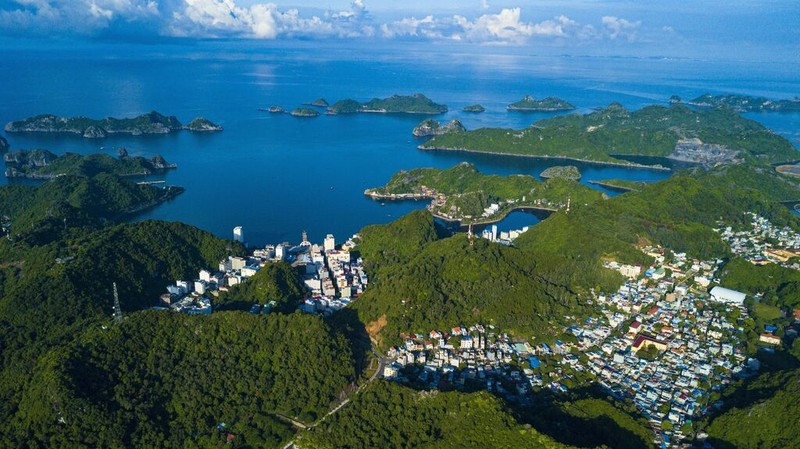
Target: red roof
[[635, 325]]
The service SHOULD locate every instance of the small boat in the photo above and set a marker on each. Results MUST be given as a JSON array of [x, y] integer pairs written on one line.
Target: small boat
[[331, 187], [383, 204]]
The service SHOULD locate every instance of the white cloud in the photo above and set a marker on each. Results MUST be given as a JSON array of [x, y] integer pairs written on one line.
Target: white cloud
[[262, 20], [620, 28]]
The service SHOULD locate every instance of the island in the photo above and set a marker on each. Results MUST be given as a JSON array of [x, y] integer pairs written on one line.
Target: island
[[150, 123], [562, 171], [614, 135], [431, 127], [4, 146], [465, 195], [201, 124], [273, 110], [396, 104], [745, 103], [43, 164], [304, 112], [549, 104], [474, 108], [318, 103]]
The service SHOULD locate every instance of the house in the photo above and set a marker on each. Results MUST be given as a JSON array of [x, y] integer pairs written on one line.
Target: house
[[643, 341], [769, 339]]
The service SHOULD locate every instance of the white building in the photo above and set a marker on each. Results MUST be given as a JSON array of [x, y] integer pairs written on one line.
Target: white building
[[238, 234], [279, 251], [727, 295], [329, 244]]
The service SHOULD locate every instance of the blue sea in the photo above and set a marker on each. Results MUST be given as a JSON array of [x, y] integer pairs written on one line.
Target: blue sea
[[278, 175]]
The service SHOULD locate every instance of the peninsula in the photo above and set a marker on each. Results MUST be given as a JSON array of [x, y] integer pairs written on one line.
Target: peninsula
[[722, 137], [42, 164], [396, 104], [150, 123], [464, 194], [549, 104], [745, 103]]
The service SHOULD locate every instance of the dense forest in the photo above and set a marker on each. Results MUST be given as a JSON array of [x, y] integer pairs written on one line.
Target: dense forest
[[162, 380], [391, 416]]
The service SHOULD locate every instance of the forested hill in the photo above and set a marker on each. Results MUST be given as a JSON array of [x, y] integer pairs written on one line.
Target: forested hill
[[422, 282], [391, 416], [175, 381], [40, 214], [650, 131]]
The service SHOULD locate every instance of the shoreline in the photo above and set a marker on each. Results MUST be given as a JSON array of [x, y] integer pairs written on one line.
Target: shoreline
[[564, 158], [611, 186], [498, 218]]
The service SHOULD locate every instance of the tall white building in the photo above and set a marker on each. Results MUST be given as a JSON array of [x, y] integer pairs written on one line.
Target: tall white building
[[494, 233], [279, 251], [238, 234], [329, 244]]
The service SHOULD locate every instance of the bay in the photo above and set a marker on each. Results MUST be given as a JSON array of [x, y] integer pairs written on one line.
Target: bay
[[277, 175]]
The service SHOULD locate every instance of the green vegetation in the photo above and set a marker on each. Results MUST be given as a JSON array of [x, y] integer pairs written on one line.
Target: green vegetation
[[601, 423], [53, 292], [468, 192], [420, 281], [745, 103], [528, 103], [600, 136], [345, 107], [391, 416], [152, 123], [42, 164], [474, 108], [624, 185], [40, 214], [762, 414], [318, 103], [565, 172], [678, 213], [167, 380], [305, 112], [277, 282], [431, 127], [777, 286], [411, 104], [201, 124]]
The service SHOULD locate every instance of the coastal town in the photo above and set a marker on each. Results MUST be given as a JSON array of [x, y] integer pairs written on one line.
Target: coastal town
[[333, 279], [663, 342], [764, 242]]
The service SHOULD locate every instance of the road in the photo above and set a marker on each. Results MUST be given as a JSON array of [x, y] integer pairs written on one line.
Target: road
[[382, 362]]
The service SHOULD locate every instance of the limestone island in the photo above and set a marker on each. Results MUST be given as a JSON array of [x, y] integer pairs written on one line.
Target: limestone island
[[464, 194], [201, 124], [304, 112], [549, 104], [474, 108], [745, 103], [570, 172], [151, 123], [396, 104], [318, 103], [431, 127], [273, 110], [42, 164], [616, 136]]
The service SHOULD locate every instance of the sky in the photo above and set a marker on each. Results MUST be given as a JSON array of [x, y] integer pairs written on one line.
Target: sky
[[768, 30]]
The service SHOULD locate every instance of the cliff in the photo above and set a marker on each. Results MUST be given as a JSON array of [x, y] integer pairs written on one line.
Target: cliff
[[432, 127]]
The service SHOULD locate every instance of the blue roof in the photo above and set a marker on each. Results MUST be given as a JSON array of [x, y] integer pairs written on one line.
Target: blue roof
[[770, 328], [535, 363]]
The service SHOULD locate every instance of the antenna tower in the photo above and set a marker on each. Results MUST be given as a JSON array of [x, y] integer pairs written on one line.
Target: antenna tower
[[117, 308]]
